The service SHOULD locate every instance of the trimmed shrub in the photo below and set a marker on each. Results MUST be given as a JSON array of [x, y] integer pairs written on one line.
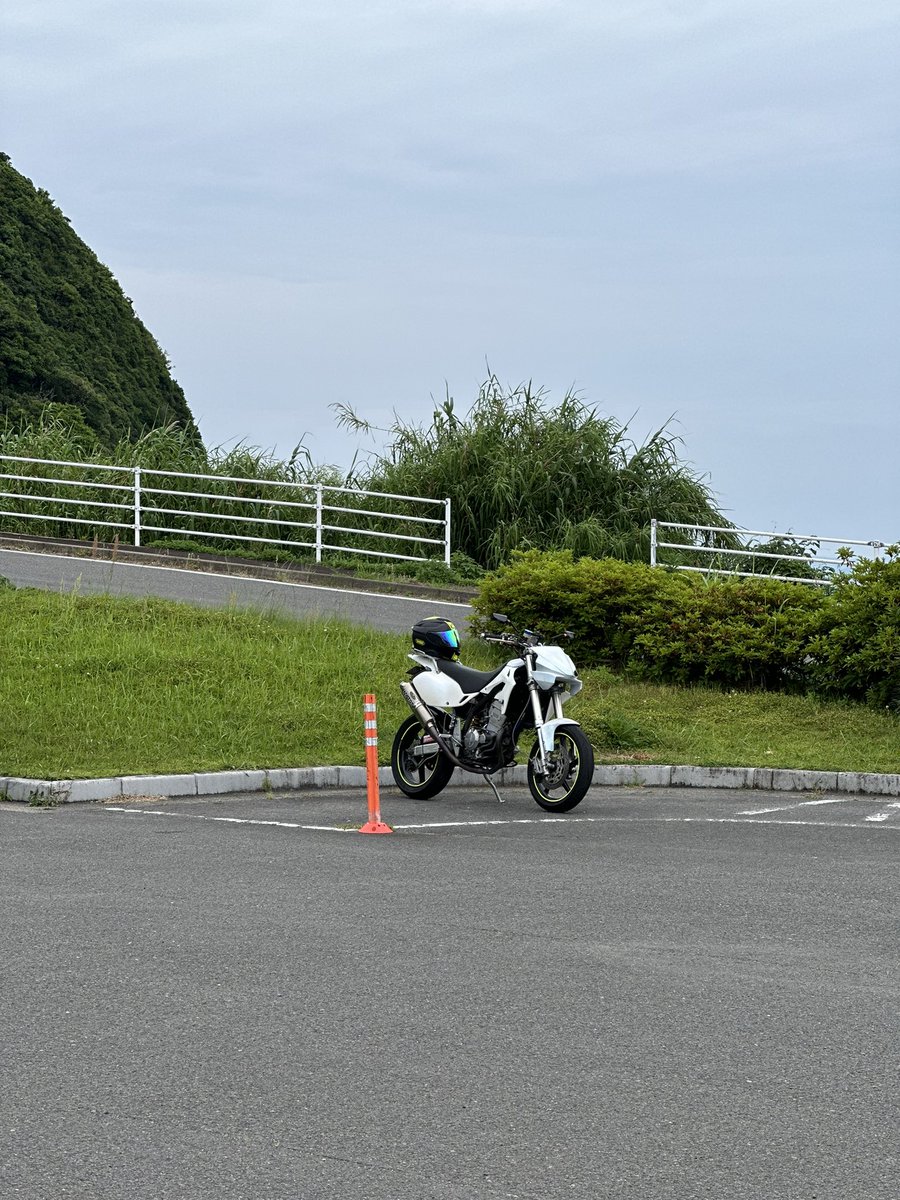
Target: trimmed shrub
[[603, 601], [741, 633], [857, 651], [732, 633]]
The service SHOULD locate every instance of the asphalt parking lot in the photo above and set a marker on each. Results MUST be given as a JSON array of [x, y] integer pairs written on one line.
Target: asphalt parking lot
[[663, 994]]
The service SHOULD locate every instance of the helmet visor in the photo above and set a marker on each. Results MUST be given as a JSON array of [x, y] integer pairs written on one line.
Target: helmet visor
[[450, 638]]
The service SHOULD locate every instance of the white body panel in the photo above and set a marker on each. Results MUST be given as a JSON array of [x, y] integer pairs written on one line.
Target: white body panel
[[553, 665], [554, 658], [438, 691]]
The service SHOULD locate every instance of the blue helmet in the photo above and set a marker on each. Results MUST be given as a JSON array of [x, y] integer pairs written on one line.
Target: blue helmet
[[438, 637]]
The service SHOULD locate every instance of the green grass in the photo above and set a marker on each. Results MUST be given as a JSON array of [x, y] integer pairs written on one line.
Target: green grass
[[102, 686], [654, 723], [95, 686]]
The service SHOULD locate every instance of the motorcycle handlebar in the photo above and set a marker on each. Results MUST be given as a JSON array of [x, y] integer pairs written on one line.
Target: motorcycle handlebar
[[528, 637], [506, 639]]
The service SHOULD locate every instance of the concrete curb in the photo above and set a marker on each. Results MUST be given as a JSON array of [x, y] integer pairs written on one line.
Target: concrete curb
[[121, 787]]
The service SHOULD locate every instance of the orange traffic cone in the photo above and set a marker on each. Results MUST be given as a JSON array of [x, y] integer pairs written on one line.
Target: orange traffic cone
[[374, 823]]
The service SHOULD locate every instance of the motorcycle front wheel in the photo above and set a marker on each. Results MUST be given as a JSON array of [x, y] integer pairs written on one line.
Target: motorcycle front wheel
[[417, 774], [571, 769]]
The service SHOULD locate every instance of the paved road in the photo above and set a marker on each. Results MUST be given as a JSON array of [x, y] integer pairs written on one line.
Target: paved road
[[664, 996], [393, 614]]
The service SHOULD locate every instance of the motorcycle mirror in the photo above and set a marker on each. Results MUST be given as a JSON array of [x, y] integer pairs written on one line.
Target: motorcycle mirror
[[500, 618]]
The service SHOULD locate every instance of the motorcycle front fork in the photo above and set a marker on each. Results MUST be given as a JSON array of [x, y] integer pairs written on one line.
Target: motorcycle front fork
[[554, 711]]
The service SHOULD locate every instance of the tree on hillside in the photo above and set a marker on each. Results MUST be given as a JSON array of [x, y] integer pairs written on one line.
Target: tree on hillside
[[523, 473], [68, 334]]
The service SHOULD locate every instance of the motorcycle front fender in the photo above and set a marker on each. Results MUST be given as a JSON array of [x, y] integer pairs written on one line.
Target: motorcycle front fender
[[548, 731]]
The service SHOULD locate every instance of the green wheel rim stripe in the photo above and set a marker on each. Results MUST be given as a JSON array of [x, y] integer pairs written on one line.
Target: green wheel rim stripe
[[400, 767]]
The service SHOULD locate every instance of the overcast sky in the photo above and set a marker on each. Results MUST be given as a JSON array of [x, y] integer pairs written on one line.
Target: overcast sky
[[679, 207]]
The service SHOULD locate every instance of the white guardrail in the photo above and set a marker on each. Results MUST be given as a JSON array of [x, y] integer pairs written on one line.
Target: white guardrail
[[267, 511], [811, 560]]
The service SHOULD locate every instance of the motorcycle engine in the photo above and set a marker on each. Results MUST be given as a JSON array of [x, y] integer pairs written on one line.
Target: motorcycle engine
[[481, 737]]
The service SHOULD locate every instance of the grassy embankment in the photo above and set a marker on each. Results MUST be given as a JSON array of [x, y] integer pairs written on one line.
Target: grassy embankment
[[100, 686]]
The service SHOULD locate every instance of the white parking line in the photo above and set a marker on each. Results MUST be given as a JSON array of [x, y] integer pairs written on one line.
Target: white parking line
[[885, 813], [482, 823], [161, 812], [758, 812], [808, 824], [500, 821]]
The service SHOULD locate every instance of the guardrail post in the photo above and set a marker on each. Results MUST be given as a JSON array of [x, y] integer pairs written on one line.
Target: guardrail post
[[653, 542], [137, 506], [319, 523], [447, 531]]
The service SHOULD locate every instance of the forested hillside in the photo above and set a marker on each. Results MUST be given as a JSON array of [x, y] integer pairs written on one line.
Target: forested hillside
[[68, 334]]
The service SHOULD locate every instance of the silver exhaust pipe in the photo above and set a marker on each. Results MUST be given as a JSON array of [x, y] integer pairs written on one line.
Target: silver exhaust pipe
[[421, 710], [428, 723]]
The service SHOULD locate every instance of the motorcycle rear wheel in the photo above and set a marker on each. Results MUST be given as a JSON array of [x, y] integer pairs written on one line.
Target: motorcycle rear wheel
[[415, 776], [571, 770]]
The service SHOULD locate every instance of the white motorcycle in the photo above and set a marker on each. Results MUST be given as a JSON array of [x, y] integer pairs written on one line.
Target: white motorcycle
[[473, 719]]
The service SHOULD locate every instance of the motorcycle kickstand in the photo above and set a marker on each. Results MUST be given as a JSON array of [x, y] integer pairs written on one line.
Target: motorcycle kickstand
[[494, 789]]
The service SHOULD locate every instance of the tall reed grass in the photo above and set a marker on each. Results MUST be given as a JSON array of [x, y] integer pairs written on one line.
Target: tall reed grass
[[523, 472]]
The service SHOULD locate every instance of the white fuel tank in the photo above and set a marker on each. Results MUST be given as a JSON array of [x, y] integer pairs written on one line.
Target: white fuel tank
[[438, 691]]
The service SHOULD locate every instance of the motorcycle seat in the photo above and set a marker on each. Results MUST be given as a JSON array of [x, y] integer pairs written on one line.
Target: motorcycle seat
[[468, 678]]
